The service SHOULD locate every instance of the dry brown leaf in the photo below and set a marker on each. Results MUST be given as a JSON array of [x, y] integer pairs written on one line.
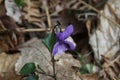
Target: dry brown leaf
[[31, 12], [7, 67], [104, 39], [87, 76], [10, 37]]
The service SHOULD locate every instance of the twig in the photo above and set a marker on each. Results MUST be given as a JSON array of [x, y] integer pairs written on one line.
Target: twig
[[47, 13], [33, 30], [26, 30]]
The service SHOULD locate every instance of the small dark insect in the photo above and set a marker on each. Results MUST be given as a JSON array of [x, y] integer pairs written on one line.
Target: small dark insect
[[58, 27]]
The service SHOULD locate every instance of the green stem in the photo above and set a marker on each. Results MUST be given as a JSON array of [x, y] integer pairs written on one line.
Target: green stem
[[53, 65]]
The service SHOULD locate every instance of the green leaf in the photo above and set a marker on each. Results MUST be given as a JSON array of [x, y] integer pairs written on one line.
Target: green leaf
[[50, 40], [81, 59], [84, 68], [19, 2], [28, 68], [91, 68], [32, 77]]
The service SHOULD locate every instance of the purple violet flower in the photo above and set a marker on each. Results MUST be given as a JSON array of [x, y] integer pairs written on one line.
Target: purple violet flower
[[62, 44]]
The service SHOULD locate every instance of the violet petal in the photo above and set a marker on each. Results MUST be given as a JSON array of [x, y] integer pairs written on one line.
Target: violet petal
[[66, 33], [70, 45], [58, 36], [59, 48]]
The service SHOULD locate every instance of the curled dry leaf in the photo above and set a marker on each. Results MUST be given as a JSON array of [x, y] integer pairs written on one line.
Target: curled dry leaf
[[105, 40]]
